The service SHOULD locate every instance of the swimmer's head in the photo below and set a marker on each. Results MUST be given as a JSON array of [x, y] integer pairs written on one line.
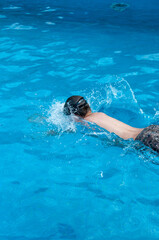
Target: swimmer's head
[[76, 105]]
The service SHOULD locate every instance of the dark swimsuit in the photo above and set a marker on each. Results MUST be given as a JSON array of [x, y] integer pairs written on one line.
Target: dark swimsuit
[[150, 137]]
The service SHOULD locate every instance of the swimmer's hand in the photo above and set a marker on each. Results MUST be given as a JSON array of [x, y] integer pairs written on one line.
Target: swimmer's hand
[[56, 133], [36, 118], [52, 133]]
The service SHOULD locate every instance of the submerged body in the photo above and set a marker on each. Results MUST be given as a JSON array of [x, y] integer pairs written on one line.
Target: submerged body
[[78, 106]]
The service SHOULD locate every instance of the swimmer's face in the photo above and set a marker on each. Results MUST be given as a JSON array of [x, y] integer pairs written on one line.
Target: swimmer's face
[[76, 105]]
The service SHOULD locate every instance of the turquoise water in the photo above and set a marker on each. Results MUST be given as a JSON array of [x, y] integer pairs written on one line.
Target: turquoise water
[[78, 183]]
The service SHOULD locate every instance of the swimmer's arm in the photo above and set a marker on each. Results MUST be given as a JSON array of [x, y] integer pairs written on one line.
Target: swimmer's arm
[[56, 133], [36, 118], [83, 122], [52, 133]]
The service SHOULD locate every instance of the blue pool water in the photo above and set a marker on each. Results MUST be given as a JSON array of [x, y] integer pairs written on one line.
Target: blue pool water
[[78, 183]]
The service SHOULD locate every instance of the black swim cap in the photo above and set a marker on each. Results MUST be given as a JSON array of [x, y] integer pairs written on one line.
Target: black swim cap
[[76, 105]]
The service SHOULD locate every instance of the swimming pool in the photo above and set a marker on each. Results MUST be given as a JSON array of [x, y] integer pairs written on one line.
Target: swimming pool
[[78, 183]]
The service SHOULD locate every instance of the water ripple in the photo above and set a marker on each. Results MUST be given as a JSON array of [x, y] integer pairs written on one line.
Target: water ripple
[[17, 26], [11, 8]]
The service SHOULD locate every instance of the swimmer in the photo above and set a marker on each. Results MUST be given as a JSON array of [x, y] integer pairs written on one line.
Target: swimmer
[[78, 106]]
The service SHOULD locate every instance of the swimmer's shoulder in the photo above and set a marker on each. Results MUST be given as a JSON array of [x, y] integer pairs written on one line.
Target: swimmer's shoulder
[[96, 116]]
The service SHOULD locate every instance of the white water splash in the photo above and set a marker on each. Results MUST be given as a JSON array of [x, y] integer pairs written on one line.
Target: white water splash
[[59, 120], [123, 93], [118, 94], [156, 116], [132, 94]]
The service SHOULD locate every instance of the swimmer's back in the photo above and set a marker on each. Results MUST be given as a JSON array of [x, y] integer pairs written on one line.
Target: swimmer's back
[[113, 125]]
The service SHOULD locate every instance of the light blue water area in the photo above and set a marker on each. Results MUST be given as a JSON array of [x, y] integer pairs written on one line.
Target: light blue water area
[[76, 182]]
